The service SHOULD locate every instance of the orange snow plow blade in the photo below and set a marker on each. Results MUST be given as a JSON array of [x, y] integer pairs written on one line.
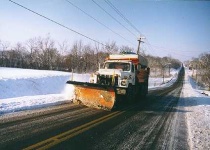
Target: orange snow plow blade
[[94, 95]]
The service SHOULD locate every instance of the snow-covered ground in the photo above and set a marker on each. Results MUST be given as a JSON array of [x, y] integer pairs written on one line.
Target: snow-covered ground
[[197, 113], [23, 89], [155, 83]]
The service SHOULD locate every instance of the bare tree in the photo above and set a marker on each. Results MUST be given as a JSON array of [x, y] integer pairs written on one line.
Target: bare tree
[[63, 52], [99, 56], [33, 48], [111, 47], [42, 53], [48, 52], [20, 54], [63, 48], [126, 49], [4, 46], [205, 68], [76, 52]]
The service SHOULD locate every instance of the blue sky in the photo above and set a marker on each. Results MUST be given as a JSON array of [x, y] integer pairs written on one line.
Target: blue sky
[[180, 29]]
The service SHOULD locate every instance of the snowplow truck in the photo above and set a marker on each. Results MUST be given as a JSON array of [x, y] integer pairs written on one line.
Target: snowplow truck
[[122, 77]]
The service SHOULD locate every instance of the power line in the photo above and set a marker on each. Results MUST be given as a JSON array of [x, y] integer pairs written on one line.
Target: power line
[[57, 23], [166, 49], [98, 21], [114, 18], [120, 14], [151, 48]]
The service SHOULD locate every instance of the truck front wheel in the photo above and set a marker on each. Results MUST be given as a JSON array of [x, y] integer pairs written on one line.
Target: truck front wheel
[[144, 90], [130, 94]]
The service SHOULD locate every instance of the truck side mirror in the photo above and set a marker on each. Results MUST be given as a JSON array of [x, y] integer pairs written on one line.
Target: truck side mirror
[[132, 68]]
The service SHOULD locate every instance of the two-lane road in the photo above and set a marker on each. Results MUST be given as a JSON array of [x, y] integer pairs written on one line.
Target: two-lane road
[[156, 123]]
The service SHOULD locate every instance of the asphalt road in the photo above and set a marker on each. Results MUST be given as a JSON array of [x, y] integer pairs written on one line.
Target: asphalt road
[[155, 122]]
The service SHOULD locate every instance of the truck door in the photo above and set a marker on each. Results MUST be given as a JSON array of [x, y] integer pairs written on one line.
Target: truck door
[[133, 74]]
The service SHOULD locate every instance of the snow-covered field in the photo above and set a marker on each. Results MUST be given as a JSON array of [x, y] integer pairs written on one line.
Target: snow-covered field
[[23, 89]]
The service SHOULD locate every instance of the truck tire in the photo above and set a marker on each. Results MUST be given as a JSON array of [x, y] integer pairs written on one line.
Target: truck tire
[[143, 90], [130, 97], [138, 92]]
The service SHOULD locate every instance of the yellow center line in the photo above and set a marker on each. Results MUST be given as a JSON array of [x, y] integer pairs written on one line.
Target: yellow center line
[[46, 144]]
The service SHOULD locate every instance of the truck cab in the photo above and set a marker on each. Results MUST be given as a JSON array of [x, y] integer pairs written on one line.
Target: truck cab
[[122, 71]]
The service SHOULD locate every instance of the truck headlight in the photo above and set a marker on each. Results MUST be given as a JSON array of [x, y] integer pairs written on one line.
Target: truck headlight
[[123, 83], [91, 80]]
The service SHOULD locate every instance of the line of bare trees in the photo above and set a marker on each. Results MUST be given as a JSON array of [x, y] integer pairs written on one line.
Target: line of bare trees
[[201, 69], [161, 66], [44, 53]]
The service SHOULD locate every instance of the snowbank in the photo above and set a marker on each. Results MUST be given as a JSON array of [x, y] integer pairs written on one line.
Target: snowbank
[[197, 111], [22, 89]]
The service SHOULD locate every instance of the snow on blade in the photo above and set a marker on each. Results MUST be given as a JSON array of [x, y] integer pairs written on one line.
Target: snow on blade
[[69, 92]]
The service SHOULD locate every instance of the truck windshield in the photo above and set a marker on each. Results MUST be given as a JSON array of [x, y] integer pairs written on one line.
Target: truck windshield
[[117, 65]]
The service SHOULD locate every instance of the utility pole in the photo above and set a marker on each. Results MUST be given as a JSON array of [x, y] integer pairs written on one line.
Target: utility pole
[[139, 40], [169, 68], [196, 72], [163, 73]]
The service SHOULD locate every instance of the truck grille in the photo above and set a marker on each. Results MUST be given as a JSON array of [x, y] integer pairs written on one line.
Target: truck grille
[[107, 80]]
